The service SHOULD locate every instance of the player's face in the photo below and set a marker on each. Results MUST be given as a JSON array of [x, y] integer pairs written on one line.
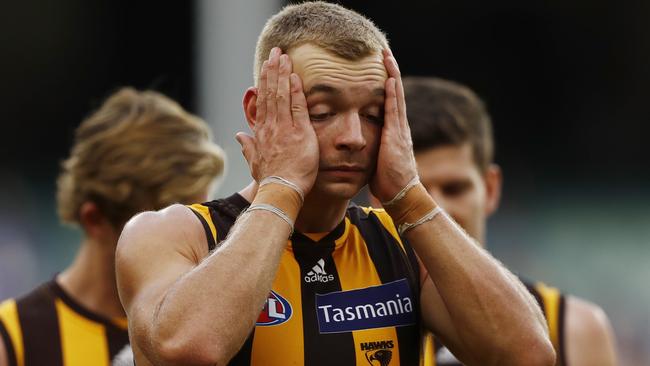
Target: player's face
[[452, 178], [346, 108]]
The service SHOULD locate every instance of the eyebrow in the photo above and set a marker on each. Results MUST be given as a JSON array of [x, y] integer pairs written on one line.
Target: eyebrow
[[322, 88], [328, 89]]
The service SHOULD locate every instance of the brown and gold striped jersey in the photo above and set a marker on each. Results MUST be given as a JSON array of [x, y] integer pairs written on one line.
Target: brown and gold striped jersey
[[48, 327], [347, 297], [550, 300]]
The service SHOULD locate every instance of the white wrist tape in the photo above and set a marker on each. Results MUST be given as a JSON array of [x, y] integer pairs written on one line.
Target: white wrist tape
[[284, 182], [403, 192], [273, 209], [404, 227]]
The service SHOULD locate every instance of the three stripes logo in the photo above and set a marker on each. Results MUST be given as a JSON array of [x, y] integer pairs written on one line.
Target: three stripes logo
[[318, 274]]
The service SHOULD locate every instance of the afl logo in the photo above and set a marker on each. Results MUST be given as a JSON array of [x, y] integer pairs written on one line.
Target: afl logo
[[276, 311]]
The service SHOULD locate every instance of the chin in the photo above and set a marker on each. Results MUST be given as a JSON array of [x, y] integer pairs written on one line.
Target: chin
[[338, 190]]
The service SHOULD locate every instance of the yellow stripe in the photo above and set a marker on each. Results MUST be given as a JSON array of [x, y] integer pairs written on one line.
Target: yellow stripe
[[83, 342], [204, 211], [9, 317], [282, 344], [551, 299], [386, 221], [356, 270], [121, 322], [428, 349]]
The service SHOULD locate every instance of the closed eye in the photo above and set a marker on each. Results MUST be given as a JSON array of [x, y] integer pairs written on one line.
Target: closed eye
[[320, 116], [378, 120]]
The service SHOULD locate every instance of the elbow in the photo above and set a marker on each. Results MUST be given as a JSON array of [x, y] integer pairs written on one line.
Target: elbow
[[185, 349], [537, 352]]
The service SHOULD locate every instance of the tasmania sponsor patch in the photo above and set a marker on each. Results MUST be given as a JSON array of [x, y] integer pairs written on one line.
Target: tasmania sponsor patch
[[387, 305], [276, 311]]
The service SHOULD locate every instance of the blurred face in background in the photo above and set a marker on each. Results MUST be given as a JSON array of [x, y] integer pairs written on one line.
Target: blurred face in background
[[454, 180]]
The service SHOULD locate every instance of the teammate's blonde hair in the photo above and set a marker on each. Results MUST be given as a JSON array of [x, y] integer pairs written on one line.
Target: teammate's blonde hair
[[332, 27], [139, 151]]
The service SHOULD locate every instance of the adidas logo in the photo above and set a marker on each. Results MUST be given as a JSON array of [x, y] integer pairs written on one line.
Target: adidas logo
[[318, 274]]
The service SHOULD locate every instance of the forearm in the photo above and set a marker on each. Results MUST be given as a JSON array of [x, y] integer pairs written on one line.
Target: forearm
[[482, 297], [211, 310]]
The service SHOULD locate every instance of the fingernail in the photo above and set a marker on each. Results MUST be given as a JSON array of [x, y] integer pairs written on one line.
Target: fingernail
[[283, 60]]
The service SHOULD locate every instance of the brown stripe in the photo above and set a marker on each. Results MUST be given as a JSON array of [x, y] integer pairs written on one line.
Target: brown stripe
[[561, 344], [392, 263], [40, 326]]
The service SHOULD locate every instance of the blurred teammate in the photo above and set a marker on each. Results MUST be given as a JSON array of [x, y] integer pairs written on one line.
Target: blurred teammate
[[139, 151], [328, 117], [452, 140]]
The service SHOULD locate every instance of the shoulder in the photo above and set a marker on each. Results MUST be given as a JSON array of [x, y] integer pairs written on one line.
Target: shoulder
[[171, 222], [589, 334], [586, 319], [154, 234]]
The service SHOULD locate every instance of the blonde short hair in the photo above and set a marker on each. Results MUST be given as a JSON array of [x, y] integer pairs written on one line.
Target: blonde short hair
[[332, 27], [140, 151]]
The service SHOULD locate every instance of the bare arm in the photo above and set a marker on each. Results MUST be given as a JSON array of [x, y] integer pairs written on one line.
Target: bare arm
[[589, 338], [187, 309], [469, 296], [4, 361]]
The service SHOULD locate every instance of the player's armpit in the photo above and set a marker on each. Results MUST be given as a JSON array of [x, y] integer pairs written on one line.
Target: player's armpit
[[589, 339], [154, 251]]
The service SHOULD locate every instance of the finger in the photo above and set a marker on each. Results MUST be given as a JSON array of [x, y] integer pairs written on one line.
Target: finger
[[247, 143], [299, 111], [261, 96], [393, 71], [391, 110], [272, 85], [283, 96]]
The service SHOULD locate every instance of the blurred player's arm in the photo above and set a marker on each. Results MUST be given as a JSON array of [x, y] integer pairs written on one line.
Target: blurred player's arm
[[479, 309], [589, 339], [3, 354]]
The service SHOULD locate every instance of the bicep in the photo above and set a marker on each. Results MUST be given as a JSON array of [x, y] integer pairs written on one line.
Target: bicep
[[154, 251], [589, 336]]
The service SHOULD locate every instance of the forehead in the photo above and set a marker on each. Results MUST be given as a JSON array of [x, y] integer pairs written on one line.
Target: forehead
[[317, 66], [447, 162]]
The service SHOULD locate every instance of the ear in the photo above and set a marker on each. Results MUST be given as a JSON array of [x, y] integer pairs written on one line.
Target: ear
[[493, 182], [250, 106], [92, 220]]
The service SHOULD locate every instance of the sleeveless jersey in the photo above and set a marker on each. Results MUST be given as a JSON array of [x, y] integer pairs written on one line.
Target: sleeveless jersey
[[550, 300], [347, 297], [47, 327]]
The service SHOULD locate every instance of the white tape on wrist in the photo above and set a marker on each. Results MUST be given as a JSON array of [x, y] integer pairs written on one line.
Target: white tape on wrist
[[405, 226], [403, 192], [279, 180], [273, 209]]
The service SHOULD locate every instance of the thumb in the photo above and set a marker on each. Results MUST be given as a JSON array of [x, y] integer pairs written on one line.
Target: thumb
[[247, 143]]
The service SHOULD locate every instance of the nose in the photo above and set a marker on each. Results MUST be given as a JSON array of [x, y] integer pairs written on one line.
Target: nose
[[350, 133]]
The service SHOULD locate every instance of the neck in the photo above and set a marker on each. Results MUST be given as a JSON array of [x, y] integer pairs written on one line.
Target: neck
[[90, 280], [318, 214]]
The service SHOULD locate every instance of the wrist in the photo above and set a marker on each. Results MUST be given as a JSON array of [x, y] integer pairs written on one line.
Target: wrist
[[415, 204], [281, 196]]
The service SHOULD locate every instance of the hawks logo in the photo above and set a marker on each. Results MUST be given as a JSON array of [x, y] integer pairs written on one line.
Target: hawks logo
[[378, 353], [276, 311]]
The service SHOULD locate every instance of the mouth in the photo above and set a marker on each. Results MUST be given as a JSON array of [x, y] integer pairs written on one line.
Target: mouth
[[344, 171], [344, 168]]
